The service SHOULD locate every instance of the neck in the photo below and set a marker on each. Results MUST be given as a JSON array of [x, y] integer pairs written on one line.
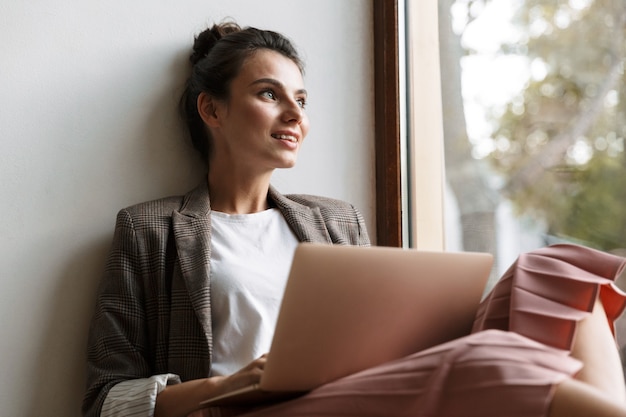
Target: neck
[[236, 196]]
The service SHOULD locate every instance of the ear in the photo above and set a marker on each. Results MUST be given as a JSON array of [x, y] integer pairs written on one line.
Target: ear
[[208, 110]]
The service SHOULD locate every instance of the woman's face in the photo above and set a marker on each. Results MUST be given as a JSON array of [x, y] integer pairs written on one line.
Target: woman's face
[[262, 124]]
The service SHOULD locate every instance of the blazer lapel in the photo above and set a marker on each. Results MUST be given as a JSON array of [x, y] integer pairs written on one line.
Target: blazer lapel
[[192, 231]]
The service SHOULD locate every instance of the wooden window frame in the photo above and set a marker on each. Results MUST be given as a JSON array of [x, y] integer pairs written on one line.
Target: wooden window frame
[[387, 124], [422, 154]]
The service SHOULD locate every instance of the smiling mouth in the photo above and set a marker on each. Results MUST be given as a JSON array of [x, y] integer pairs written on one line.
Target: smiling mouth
[[285, 137]]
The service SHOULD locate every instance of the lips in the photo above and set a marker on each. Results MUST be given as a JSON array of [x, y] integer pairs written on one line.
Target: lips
[[283, 136]]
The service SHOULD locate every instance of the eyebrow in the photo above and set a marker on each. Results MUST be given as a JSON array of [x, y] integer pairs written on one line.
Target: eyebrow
[[277, 84]]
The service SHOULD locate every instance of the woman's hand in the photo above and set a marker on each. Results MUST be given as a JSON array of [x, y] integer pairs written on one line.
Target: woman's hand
[[182, 399], [248, 375]]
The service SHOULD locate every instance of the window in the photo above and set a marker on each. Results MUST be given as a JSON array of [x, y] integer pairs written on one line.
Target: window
[[516, 120], [534, 145]]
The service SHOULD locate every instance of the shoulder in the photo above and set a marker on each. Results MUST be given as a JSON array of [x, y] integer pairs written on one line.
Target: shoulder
[[160, 211], [151, 212], [322, 203], [144, 228], [165, 205], [331, 209], [340, 220]]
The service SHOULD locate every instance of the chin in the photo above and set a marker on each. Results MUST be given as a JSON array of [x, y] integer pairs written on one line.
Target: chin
[[287, 164]]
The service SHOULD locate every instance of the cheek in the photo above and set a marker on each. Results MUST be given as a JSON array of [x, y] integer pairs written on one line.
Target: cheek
[[252, 113]]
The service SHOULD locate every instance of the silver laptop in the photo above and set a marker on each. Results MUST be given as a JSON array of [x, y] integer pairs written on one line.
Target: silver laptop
[[348, 308]]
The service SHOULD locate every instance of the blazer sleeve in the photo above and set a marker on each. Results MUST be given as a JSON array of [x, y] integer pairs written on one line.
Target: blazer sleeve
[[117, 342]]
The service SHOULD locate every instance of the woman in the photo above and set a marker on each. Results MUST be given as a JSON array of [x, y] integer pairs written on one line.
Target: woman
[[192, 287]]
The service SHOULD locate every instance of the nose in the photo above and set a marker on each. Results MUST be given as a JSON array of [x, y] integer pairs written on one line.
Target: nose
[[293, 112]]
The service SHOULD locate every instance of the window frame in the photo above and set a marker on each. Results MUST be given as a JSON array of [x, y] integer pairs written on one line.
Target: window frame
[[418, 202], [387, 123]]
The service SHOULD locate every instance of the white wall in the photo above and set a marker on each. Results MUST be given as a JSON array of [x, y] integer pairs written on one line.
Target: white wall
[[88, 91]]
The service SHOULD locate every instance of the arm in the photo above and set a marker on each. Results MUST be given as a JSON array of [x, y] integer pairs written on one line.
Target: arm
[[182, 399], [165, 396], [117, 335]]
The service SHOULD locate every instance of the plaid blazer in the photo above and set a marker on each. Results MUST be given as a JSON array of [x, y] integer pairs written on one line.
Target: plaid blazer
[[153, 311]]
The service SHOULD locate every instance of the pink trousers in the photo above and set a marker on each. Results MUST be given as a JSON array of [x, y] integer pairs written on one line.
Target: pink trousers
[[509, 366]]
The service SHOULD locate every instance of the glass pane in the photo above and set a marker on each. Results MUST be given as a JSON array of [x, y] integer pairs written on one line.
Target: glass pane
[[534, 122]]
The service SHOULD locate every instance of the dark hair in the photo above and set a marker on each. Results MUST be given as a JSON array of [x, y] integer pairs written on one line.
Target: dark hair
[[218, 55]]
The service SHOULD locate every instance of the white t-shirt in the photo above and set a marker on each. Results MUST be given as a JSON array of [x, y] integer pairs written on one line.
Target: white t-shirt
[[251, 256]]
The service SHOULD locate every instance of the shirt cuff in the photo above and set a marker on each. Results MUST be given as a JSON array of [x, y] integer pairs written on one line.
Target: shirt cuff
[[136, 397]]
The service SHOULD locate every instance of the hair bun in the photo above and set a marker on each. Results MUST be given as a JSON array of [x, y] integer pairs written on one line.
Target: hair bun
[[206, 40]]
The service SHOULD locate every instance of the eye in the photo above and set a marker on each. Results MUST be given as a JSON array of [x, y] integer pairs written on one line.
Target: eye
[[269, 94], [301, 102]]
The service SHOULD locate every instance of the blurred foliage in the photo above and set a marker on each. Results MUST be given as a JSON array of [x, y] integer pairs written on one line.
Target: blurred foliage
[[559, 145]]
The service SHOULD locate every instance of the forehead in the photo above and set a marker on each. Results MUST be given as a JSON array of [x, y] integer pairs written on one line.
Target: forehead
[[272, 65]]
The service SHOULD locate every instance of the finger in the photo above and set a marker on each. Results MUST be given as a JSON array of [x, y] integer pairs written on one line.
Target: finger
[[259, 362], [255, 364]]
